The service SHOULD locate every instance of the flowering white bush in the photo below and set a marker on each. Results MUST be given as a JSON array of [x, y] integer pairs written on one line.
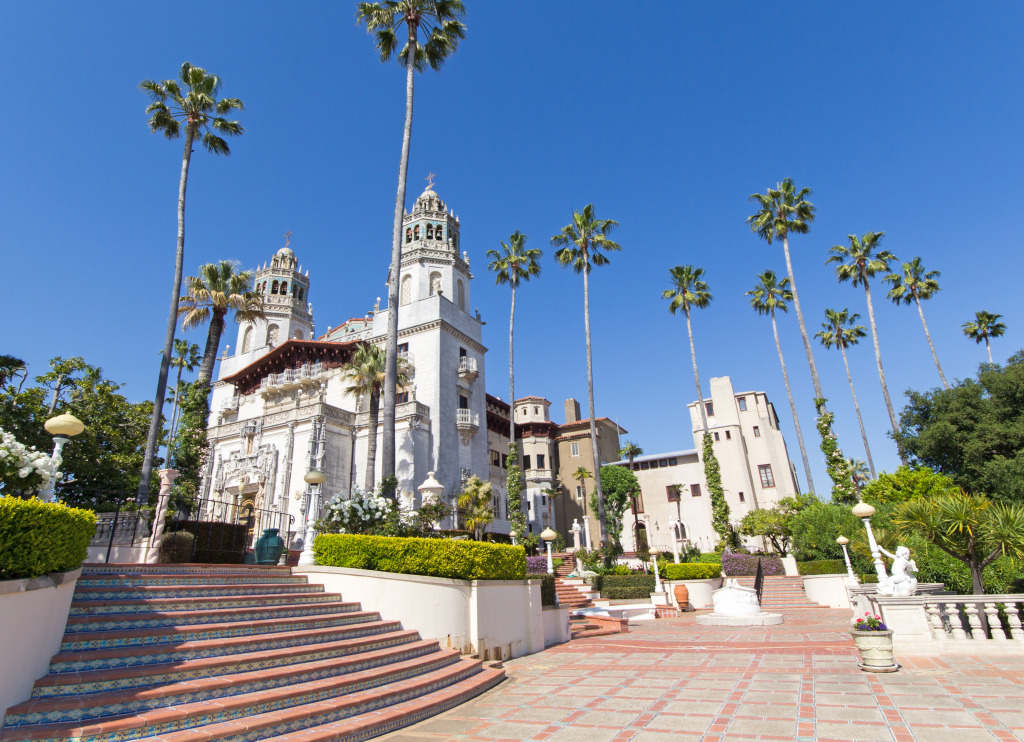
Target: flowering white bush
[[359, 514], [23, 469]]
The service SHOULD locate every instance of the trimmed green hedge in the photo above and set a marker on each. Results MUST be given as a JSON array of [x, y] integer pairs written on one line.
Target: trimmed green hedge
[[548, 593], [460, 560], [692, 571], [37, 538], [823, 567], [709, 558], [625, 587]]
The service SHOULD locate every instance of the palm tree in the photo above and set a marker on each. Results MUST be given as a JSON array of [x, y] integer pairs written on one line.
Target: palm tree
[[689, 290], [439, 21], [552, 493], [513, 265], [218, 289], [10, 366], [186, 358], [782, 210], [864, 260], [192, 100], [365, 376], [915, 285], [581, 474], [840, 330], [769, 295], [858, 473], [630, 451], [986, 325], [580, 244], [475, 504]]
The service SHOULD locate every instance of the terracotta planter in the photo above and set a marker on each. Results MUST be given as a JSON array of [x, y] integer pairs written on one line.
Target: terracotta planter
[[682, 596], [875, 649]]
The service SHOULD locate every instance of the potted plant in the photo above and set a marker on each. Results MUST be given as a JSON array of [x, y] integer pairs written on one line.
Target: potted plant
[[874, 642]]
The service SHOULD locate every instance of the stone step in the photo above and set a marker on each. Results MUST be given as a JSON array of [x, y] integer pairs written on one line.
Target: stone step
[[143, 676], [83, 625], [129, 568], [154, 579], [210, 602], [141, 592]]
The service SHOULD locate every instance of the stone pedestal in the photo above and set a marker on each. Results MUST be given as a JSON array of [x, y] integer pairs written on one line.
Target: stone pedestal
[[737, 606]]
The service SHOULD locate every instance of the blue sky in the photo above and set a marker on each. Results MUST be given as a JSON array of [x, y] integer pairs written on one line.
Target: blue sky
[[903, 118]]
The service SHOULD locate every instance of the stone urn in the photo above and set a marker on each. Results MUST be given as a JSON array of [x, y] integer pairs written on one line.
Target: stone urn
[[269, 547], [875, 649], [682, 596]]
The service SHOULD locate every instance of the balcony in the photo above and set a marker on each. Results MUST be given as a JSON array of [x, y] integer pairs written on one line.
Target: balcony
[[467, 369], [468, 423], [291, 377], [231, 405]]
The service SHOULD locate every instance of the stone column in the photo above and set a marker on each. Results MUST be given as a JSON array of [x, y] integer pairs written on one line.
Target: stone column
[[160, 513]]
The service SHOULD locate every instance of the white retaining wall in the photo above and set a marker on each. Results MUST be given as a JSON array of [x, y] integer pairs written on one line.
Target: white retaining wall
[[827, 590], [700, 591]]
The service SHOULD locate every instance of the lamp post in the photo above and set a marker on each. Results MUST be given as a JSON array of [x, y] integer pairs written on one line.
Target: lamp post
[[864, 511], [851, 578], [313, 477], [62, 428], [657, 574], [673, 526], [512, 535], [431, 490], [547, 535]]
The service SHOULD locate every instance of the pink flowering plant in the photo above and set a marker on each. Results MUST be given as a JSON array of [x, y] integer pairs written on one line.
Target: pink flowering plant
[[870, 623]]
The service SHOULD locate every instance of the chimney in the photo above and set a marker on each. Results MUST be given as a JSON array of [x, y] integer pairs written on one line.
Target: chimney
[[572, 411]]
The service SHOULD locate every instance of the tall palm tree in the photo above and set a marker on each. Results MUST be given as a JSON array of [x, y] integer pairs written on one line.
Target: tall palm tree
[[552, 493], [186, 358], [190, 100], [440, 23], [630, 451], [767, 297], [689, 290], [916, 285], [840, 330], [581, 475], [986, 325], [10, 366], [365, 376], [858, 473], [511, 266], [863, 260], [782, 210], [218, 289], [580, 245]]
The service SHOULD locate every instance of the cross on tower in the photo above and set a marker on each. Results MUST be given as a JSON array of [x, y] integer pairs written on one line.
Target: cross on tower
[[430, 181], [287, 238]]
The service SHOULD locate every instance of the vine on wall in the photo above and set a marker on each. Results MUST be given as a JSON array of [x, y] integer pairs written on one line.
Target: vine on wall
[[843, 490]]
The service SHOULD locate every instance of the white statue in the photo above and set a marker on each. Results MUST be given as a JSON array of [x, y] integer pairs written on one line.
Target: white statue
[[902, 581], [734, 600]]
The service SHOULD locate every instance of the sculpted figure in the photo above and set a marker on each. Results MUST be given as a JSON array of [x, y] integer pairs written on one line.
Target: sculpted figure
[[902, 582]]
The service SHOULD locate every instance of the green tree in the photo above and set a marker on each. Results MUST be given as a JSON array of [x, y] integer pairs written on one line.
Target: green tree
[[689, 290], [580, 244], [840, 330], [190, 100], [514, 491], [985, 326], [186, 358], [10, 366], [218, 289], [513, 265], [775, 524], [630, 451], [475, 506], [551, 493], [365, 376], [814, 530], [906, 484], [782, 210], [620, 488], [971, 528], [917, 285], [863, 260], [189, 448], [972, 432], [767, 297], [719, 506], [440, 24]]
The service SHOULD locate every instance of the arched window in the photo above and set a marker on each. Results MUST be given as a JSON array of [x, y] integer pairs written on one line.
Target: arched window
[[435, 283], [430, 231], [408, 235], [641, 537], [438, 232], [461, 295], [272, 335], [298, 334], [284, 288], [302, 292], [406, 293], [680, 531], [247, 340], [273, 288], [416, 232]]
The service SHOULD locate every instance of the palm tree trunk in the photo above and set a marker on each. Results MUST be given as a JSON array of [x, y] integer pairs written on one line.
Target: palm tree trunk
[[371, 441], [803, 328], [511, 376], [391, 344], [860, 420], [210, 351], [878, 359], [792, 408], [989, 349], [928, 335], [593, 418], [174, 407], [696, 377], [172, 322]]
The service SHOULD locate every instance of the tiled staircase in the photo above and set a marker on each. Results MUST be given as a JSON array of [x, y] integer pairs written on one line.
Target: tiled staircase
[[574, 593], [782, 594], [197, 653]]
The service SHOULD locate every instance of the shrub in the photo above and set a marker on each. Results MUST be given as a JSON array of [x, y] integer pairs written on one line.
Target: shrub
[[216, 543], [37, 538], [625, 587], [547, 587], [536, 564], [738, 565], [823, 567], [816, 528], [708, 558], [176, 547], [692, 571], [460, 560]]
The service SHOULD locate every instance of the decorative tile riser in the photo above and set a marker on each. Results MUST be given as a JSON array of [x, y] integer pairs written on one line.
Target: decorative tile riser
[[83, 643], [186, 580], [145, 681], [81, 628], [87, 713], [184, 569], [106, 663], [316, 719], [172, 591], [198, 605]]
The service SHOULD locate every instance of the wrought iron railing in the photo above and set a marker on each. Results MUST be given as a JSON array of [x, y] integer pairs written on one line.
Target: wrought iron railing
[[228, 528]]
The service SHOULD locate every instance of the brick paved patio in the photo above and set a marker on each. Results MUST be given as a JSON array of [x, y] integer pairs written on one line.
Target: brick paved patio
[[674, 680]]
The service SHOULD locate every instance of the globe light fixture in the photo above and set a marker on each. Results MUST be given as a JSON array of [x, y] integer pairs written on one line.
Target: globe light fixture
[[657, 574], [62, 428], [547, 536], [314, 478]]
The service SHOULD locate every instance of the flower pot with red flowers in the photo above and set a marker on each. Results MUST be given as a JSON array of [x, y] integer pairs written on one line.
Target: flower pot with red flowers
[[874, 642]]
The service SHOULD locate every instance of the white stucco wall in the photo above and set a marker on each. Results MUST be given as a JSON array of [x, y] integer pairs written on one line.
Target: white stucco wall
[[827, 590]]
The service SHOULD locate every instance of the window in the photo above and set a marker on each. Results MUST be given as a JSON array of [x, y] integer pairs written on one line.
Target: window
[[540, 461], [742, 498], [645, 465], [742, 403], [638, 503], [463, 402], [673, 492], [662, 462], [574, 449], [403, 350], [526, 462], [401, 397], [716, 437], [579, 492], [495, 458], [767, 480], [680, 530], [462, 353], [673, 462], [536, 410], [757, 432], [709, 408], [694, 490], [728, 435]]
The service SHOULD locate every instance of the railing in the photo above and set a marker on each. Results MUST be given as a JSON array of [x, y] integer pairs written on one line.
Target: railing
[[225, 543], [466, 418], [467, 366], [231, 404], [288, 376], [123, 525], [977, 618]]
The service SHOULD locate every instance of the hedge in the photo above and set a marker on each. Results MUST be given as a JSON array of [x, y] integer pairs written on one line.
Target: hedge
[[215, 542], [460, 560], [625, 587], [823, 567], [176, 548], [709, 558], [740, 565], [37, 538], [692, 571], [547, 587]]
